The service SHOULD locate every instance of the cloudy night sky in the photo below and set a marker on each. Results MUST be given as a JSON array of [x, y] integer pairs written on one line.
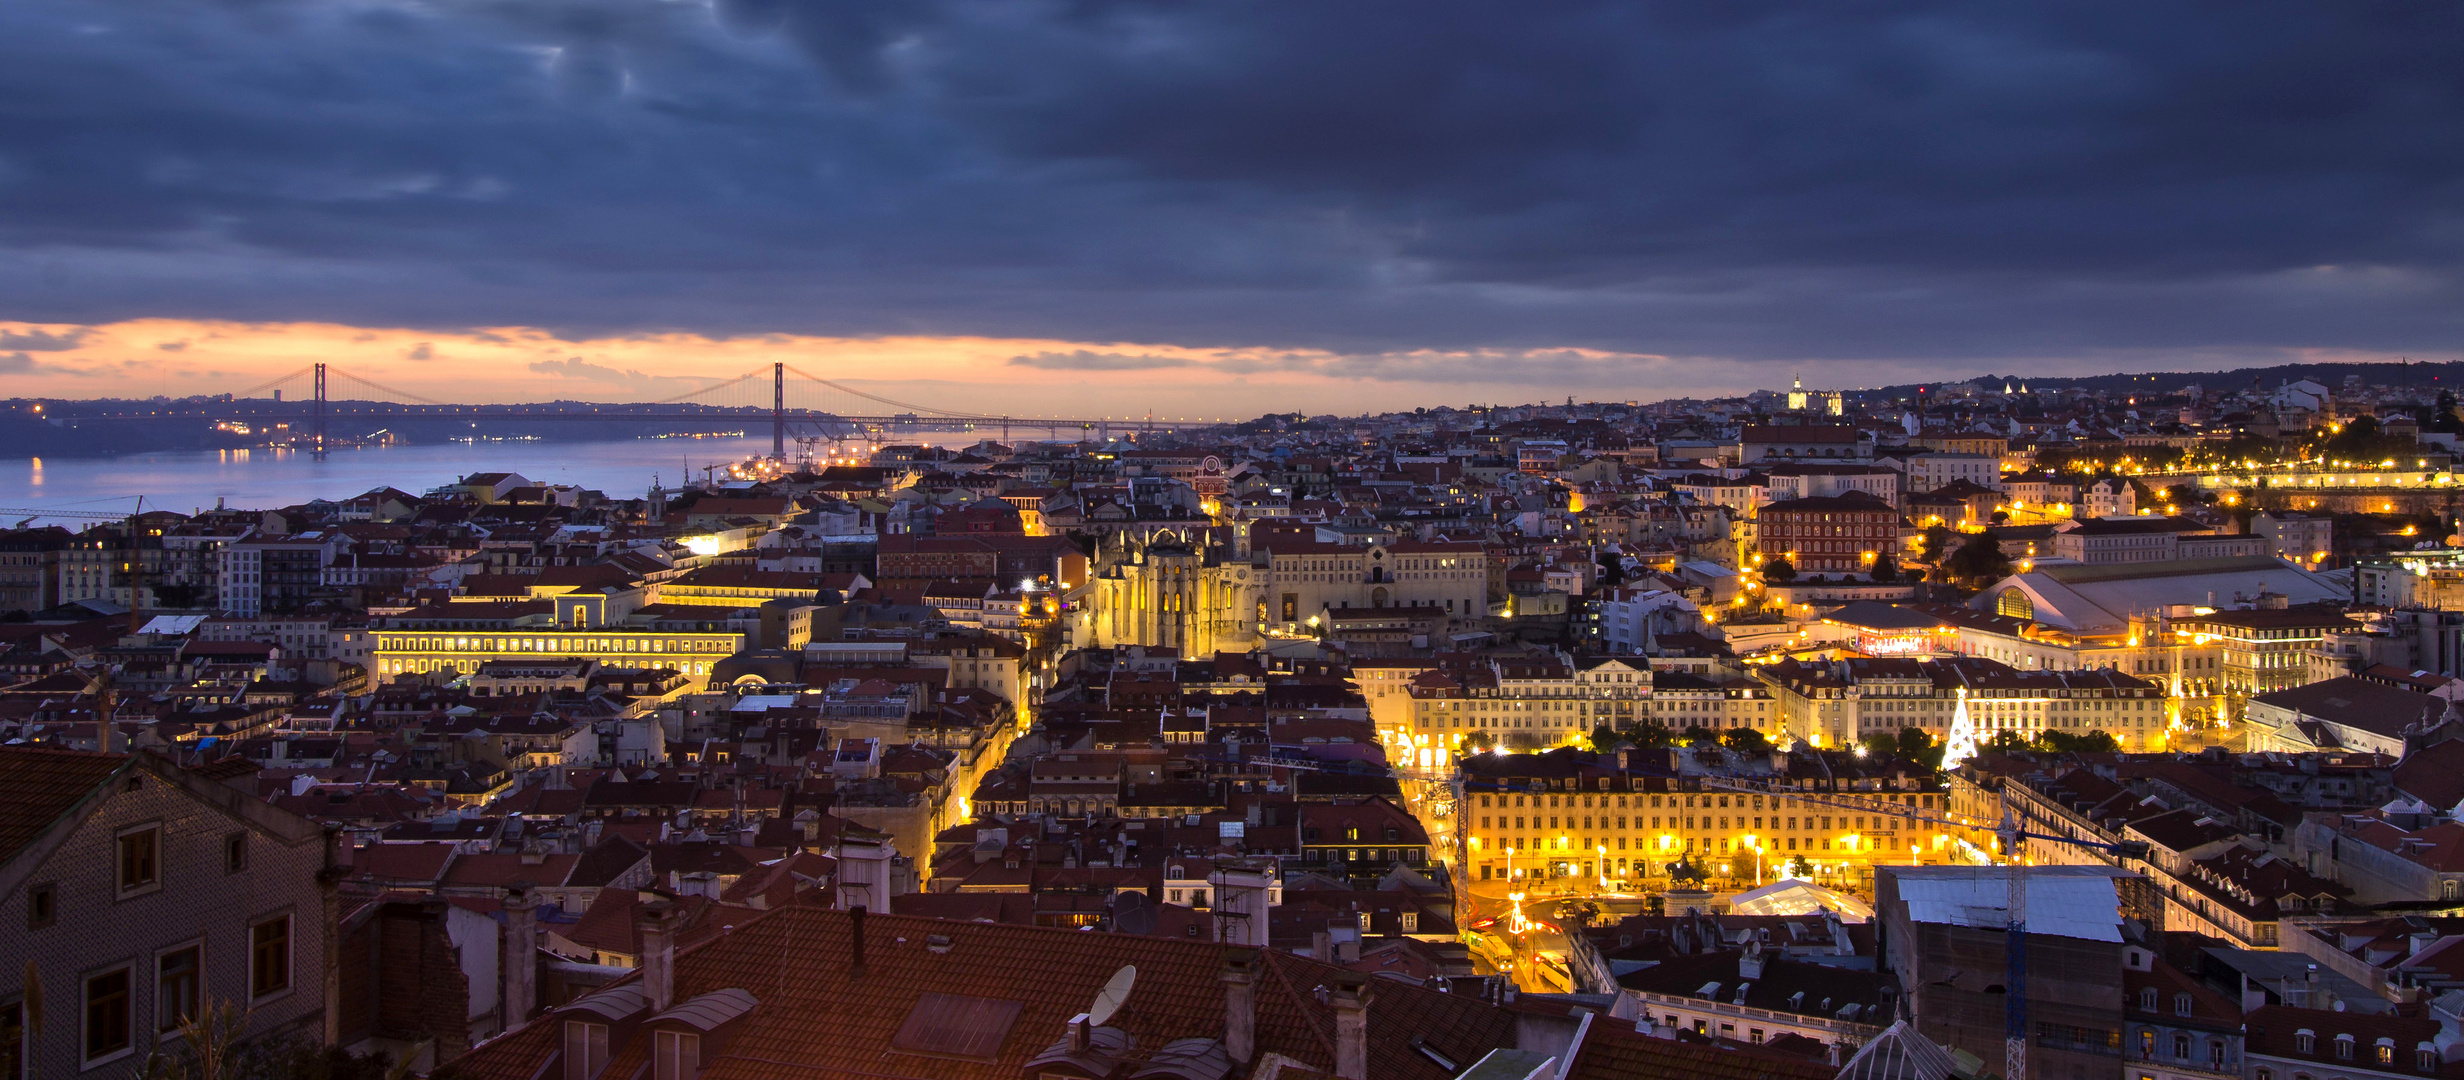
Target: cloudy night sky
[[1217, 208]]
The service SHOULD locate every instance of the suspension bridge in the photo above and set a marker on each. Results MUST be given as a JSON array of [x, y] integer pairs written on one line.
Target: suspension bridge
[[793, 402]]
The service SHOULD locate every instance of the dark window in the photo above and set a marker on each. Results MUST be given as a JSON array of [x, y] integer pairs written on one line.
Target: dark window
[[235, 853], [42, 905], [269, 957], [106, 1014], [175, 989], [13, 1040], [140, 859]]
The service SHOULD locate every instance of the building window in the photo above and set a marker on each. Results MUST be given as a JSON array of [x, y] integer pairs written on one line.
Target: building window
[[140, 860], [2147, 999], [678, 1056], [12, 1040], [107, 1015], [235, 853], [2181, 1004], [585, 1049], [175, 988], [42, 905], [2344, 1048], [269, 957]]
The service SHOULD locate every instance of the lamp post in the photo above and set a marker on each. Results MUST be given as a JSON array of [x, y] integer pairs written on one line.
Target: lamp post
[[1603, 849]]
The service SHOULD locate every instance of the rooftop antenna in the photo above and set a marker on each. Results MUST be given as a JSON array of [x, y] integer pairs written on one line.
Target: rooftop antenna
[[1109, 999]]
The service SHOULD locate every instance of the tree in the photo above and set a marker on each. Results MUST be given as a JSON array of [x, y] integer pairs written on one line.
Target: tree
[[1979, 562], [1746, 740], [1698, 735], [1477, 741], [1780, 570], [1604, 739], [1915, 745], [1649, 734], [1798, 867], [1886, 568], [1937, 540], [2063, 742], [2008, 742], [211, 1047], [1880, 743]]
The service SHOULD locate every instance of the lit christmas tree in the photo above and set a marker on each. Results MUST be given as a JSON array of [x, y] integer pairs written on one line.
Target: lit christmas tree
[[1962, 744]]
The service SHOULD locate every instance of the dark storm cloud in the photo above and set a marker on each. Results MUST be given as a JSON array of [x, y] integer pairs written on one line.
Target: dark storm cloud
[[43, 341], [1895, 183]]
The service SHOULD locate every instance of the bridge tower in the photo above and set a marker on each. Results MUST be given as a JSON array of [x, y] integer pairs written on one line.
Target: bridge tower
[[320, 411], [778, 411]]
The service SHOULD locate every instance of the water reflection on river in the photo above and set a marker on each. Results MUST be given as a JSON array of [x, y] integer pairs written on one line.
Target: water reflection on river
[[266, 479]]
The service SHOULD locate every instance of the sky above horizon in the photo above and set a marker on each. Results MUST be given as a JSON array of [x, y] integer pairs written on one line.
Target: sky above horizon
[[1101, 207]]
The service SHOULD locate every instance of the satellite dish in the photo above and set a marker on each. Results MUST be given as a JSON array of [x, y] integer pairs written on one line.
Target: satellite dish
[[1109, 999]]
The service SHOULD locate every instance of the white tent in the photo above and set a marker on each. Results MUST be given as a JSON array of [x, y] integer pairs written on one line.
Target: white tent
[[1795, 897]]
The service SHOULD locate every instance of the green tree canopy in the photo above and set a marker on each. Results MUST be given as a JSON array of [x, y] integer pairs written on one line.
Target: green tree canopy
[[1745, 740]]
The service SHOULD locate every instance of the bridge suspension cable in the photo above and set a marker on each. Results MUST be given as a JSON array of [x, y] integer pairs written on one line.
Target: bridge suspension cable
[[274, 382], [372, 384], [716, 386], [892, 402]]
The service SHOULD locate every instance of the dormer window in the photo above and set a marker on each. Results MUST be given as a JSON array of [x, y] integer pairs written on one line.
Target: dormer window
[[2147, 999], [2181, 1004], [2305, 1041], [676, 1055], [2344, 1048], [585, 1049]]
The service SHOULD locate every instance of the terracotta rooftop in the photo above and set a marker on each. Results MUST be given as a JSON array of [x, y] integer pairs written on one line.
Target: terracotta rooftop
[[38, 785], [818, 1016]]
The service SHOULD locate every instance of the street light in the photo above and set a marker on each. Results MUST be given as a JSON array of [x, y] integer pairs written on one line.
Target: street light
[[1603, 849]]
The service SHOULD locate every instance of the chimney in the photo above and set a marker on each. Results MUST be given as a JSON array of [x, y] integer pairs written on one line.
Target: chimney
[[520, 955], [1351, 1002], [1081, 1033], [658, 955], [1750, 965], [1322, 945], [1240, 1005], [855, 937]]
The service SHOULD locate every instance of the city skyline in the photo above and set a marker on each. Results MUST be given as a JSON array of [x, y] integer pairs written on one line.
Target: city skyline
[[175, 358]]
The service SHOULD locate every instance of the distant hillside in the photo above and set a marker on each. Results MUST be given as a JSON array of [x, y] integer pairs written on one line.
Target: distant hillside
[[2445, 374]]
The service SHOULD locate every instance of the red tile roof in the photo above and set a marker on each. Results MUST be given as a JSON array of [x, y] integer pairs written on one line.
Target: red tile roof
[[818, 1017], [38, 785]]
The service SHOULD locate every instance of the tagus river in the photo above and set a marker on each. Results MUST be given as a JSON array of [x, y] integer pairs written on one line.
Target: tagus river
[[267, 479]]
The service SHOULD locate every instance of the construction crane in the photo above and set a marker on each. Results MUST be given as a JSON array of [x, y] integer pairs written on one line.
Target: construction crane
[[136, 554], [2015, 884], [85, 515]]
